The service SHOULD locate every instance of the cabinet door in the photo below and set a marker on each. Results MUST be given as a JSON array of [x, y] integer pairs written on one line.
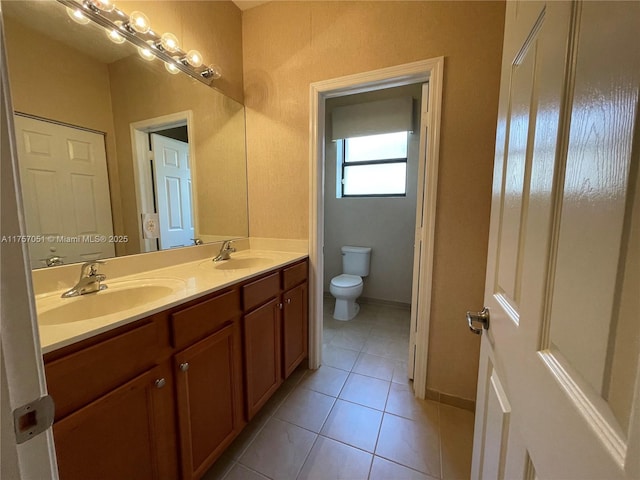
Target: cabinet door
[[127, 433], [294, 328], [262, 354], [209, 396]]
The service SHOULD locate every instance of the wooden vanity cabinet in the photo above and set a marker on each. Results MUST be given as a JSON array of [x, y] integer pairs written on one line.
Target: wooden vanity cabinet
[[115, 405], [295, 317], [208, 374], [261, 341], [162, 398], [275, 331], [127, 433]]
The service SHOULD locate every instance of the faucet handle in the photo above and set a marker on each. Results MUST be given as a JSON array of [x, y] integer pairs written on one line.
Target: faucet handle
[[90, 268]]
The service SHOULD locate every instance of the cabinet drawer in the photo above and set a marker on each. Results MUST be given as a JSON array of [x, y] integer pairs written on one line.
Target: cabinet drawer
[[258, 292], [79, 378], [194, 323], [292, 276]]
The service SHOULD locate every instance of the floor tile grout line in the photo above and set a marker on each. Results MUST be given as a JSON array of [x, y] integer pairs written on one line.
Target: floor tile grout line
[[315, 440], [269, 417], [262, 474]]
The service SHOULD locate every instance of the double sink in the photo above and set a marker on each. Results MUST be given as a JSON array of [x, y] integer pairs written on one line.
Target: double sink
[[130, 295]]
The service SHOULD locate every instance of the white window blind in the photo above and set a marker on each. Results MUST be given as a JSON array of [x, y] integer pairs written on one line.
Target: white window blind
[[372, 118]]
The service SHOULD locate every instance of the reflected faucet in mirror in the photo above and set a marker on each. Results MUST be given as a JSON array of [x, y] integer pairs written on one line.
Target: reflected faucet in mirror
[[89, 280], [53, 261], [225, 251]]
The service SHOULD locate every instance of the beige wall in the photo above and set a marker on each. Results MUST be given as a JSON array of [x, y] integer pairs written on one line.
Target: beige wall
[[54, 81], [288, 45]]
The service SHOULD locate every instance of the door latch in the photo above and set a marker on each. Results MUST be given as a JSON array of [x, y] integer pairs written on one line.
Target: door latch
[[33, 418], [481, 317]]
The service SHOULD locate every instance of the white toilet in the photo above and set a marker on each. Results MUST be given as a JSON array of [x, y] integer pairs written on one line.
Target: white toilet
[[346, 288]]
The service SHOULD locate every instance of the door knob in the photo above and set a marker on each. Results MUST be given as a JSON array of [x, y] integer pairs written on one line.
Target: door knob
[[160, 382], [481, 317], [184, 366]]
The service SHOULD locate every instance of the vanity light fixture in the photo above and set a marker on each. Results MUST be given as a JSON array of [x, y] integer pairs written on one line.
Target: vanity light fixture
[[138, 22], [115, 36], [77, 15], [136, 28], [146, 53], [193, 58], [169, 42], [212, 71], [171, 68], [102, 5]]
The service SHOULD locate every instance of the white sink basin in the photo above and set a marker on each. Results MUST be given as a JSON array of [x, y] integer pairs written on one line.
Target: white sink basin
[[118, 297], [237, 263]]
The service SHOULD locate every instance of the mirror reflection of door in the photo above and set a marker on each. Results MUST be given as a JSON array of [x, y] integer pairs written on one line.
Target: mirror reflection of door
[[65, 189], [172, 190]]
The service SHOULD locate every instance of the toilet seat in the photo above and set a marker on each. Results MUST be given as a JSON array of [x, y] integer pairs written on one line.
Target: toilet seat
[[346, 281]]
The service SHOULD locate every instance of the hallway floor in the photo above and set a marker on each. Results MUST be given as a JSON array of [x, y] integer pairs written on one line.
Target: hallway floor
[[355, 417]]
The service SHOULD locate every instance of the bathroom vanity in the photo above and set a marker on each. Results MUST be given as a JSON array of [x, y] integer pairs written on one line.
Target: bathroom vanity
[[163, 395]]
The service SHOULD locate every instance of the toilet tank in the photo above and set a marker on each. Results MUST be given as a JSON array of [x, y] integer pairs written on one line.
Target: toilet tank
[[355, 260]]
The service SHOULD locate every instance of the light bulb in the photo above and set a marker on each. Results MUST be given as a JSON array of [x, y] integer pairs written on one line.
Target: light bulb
[[169, 42], [139, 22], [77, 16], [146, 53], [212, 71], [102, 5], [115, 36], [194, 58], [171, 68]]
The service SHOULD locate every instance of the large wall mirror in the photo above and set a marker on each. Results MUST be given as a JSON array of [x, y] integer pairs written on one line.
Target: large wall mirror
[[117, 155]]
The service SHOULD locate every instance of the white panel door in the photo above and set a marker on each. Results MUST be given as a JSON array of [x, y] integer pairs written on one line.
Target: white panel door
[[558, 389], [65, 187], [172, 175]]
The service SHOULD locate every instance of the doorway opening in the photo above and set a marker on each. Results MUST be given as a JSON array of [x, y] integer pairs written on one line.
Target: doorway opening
[[163, 157], [428, 72]]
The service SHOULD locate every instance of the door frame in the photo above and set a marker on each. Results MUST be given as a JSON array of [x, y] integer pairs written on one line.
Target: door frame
[[431, 71], [142, 173], [22, 375]]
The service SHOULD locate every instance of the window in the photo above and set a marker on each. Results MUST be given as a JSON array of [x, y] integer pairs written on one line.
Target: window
[[373, 166]]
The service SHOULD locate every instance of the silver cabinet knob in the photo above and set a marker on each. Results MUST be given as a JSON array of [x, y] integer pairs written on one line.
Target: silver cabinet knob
[[481, 317], [184, 366], [280, 306], [288, 300], [160, 382]]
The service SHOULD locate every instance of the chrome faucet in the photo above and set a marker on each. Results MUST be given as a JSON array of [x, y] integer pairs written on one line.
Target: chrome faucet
[[225, 251], [89, 280], [53, 261]]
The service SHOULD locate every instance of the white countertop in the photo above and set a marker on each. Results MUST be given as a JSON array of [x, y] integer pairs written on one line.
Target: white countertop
[[188, 281]]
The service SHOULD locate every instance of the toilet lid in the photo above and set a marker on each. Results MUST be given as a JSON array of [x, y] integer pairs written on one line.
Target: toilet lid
[[346, 280]]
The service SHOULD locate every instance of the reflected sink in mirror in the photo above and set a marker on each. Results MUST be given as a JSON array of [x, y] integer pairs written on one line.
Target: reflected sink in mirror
[[118, 297]]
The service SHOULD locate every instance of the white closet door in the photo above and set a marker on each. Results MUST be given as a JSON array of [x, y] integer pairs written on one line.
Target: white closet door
[[65, 188]]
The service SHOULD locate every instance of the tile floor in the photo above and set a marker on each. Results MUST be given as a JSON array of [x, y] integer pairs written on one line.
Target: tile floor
[[355, 417]]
